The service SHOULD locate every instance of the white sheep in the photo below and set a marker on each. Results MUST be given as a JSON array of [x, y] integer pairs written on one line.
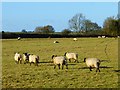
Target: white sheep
[[92, 62], [60, 61], [19, 38], [26, 57], [71, 56], [103, 36], [33, 59], [18, 58], [55, 41], [99, 36], [74, 39]]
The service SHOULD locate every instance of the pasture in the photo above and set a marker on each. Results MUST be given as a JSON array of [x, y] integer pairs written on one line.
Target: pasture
[[45, 76]]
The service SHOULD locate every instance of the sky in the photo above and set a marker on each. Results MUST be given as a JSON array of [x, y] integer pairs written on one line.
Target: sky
[[17, 16]]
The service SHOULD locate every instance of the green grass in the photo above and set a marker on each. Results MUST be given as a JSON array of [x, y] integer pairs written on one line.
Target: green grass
[[44, 76]]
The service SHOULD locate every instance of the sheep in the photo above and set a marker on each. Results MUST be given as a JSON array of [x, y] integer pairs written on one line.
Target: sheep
[[26, 57], [71, 56], [99, 36], [103, 36], [18, 58], [19, 38], [92, 62], [60, 61], [33, 59], [74, 39], [55, 41]]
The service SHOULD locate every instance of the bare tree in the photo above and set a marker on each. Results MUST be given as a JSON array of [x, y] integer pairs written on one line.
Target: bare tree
[[76, 23]]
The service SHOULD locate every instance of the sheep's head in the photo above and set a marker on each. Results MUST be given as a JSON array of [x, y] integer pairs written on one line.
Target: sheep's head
[[84, 59], [54, 56]]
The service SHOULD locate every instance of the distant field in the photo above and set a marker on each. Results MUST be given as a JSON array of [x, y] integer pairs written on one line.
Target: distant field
[[44, 76]]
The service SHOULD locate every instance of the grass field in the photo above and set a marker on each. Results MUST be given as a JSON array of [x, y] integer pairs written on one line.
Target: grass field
[[44, 76]]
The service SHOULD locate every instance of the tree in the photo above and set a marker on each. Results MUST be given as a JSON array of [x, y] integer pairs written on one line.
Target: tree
[[76, 23], [90, 26], [24, 31], [79, 24], [66, 32], [111, 26], [46, 29]]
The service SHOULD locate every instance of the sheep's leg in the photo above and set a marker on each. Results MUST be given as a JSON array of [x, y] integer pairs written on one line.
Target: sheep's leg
[[30, 63], [20, 61], [66, 66], [74, 61], [77, 61], [54, 66], [24, 62], [97, 69], [98, 64], [90, 68], [69, 60], [59, 66], [62, 66]]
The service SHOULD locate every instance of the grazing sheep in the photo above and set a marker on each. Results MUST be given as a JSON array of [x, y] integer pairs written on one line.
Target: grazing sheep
[[99, 36], [56, 41], [18, 58], [59, 60], [74, 39], [26, 57], [92, 62], [71, 56], [103, 36], [19, 38], [33, 59]]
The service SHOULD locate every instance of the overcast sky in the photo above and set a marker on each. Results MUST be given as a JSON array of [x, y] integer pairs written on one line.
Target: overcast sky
[[28, 15]]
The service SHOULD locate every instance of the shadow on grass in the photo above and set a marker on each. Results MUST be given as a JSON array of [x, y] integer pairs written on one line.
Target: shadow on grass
[[100, 67], [105, 67], [71, 63], [104, 60], [116, 71], [46, 62]]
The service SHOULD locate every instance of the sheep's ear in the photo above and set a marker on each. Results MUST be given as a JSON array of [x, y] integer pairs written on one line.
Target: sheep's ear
[[52, 56], [65, 54]]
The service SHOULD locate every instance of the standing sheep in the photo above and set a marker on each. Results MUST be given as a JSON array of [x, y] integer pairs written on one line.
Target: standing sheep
[[26, 57], [92, 62], [60, 61], [18, 58], [33, 59], [71, 56]]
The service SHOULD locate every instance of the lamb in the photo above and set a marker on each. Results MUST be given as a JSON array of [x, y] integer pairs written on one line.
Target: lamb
[[60, 61], [18, 58], [92, 62], [26, 57], [71, 56], [33, 59]]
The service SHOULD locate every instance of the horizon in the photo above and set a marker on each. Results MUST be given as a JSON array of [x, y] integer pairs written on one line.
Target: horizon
[[17, 16]]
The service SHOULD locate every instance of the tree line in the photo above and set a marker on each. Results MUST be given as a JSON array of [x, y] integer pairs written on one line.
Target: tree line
[[79, 24]]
